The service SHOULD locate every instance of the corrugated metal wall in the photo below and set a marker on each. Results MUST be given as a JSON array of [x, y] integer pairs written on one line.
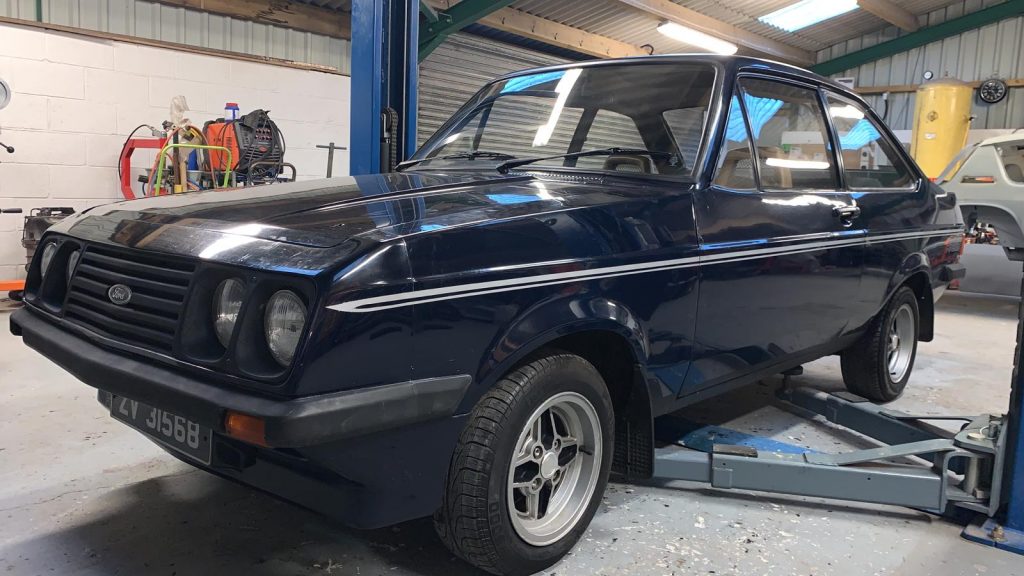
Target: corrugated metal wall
[[461, 66], [184, 26], [996, 50]]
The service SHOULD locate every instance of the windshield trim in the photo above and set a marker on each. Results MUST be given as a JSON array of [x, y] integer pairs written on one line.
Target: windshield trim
[[711, 118]]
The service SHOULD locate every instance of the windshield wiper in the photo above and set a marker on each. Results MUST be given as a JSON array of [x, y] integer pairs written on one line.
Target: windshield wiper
[[504, 167], [472, 155]]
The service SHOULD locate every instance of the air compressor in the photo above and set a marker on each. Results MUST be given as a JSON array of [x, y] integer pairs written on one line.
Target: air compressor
[[942, 118]]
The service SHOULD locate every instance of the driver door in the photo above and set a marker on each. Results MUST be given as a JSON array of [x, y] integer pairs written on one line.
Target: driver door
[[781, 252]]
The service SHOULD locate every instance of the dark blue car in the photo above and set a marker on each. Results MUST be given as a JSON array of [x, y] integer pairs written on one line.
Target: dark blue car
[[487, 333]]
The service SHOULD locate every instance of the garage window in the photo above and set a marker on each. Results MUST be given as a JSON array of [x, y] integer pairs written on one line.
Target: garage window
[[790, 136], [869, 157]]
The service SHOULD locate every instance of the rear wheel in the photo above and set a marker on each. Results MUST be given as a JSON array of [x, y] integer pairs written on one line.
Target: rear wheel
[[878, 366], [530, 468]]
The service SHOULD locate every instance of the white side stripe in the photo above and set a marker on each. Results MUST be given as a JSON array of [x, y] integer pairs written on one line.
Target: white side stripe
[[491, 287]]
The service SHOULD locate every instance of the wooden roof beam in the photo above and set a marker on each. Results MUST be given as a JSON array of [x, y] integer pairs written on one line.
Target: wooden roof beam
[[550, 32], [892, 13], [666, 10], [294, 15]]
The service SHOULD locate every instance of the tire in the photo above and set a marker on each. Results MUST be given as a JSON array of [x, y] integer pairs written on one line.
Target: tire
[[487, 521], [878, 366]]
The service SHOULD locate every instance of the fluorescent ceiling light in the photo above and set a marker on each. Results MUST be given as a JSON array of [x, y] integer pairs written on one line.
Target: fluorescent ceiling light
[[698, 39], [796, 164], [807, 12]]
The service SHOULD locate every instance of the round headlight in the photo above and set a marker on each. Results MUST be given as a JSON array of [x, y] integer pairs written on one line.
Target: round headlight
[[286, 316], [48, 253], [227, 301], [72, 262]]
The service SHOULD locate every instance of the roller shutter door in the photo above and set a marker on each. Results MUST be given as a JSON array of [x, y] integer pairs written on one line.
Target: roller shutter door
[[461, 66]]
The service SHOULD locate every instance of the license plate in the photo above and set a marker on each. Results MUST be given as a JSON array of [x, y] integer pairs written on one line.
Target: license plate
[[175, 432]]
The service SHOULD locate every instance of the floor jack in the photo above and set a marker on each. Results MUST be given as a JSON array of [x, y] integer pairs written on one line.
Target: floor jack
[[976, 471]]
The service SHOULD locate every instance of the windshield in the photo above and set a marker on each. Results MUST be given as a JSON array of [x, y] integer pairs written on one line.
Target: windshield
[[656, 113]]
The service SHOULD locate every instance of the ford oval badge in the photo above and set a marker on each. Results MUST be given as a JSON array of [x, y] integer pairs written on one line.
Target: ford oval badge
[[120, 294]]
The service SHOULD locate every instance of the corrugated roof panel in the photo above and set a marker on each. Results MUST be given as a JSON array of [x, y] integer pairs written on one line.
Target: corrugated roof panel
[[621, 22], [608, 18]]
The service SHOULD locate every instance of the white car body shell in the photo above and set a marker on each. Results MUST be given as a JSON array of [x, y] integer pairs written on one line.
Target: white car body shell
[[988, 181]]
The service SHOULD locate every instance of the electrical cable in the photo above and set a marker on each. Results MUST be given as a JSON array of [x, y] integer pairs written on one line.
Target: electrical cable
[[125, 145]]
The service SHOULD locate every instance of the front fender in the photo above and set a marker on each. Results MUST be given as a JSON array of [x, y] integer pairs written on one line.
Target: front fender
[[548, 321]]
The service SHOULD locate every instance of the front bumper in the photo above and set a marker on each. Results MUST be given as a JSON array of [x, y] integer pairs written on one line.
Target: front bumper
[[290, 423], [368, 458]]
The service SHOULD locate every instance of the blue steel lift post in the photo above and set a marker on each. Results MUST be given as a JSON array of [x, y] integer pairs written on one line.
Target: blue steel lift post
[[979, 468], [385, 70], [1006, 531]]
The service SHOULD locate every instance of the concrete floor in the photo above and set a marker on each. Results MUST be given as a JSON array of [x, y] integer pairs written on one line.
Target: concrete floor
[[80, 494]]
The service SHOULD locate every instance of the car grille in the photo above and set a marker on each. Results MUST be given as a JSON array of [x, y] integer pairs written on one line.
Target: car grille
[[150, 319]]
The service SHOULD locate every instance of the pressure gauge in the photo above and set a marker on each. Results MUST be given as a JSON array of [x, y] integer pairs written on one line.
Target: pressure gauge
[[5, 94], [928, 75], [992, 90]]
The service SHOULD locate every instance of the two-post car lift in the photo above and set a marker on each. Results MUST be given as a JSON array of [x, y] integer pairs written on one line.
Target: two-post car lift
[[978, 469]]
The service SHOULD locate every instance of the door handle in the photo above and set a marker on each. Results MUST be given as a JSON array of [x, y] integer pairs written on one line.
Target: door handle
[[846, 214]]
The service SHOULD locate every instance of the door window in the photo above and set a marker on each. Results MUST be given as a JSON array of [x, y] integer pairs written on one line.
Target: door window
[[790, 136], [869, 158], [735, 162]]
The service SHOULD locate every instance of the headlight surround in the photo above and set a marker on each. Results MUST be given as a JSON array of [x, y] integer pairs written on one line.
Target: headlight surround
[[227, 302], [283, 323], [73, 262], [49, 251]]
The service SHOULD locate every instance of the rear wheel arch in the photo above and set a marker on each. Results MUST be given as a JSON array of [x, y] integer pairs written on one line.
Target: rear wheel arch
[[920, 283]]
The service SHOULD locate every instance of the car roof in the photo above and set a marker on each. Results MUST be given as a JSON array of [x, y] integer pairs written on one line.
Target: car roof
[[733, 63], [1016, 136]]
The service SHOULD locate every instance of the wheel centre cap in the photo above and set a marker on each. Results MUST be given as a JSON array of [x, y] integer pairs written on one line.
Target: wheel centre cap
[[549, 465]]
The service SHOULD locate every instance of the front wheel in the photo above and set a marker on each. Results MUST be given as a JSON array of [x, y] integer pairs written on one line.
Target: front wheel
[[530, 468], [878, 366]]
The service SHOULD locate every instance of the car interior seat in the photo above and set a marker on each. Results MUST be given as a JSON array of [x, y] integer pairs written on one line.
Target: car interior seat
[[1015, 172], [737, 170], [629, 163]]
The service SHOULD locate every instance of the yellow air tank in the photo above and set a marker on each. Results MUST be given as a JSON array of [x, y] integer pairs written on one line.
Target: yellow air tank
[[942, 117]]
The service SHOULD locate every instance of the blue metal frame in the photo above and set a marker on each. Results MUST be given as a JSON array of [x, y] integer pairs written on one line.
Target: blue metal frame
[[385, 71]]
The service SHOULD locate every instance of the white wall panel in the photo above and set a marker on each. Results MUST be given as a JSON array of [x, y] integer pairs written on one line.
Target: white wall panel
[[996, 50], [184, 26], [76, 98]]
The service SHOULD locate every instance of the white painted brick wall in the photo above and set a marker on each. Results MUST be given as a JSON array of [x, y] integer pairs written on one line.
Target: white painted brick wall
[[76, 99]]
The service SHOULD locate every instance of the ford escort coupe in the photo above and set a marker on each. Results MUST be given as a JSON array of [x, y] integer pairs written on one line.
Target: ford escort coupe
[[487, 333]]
